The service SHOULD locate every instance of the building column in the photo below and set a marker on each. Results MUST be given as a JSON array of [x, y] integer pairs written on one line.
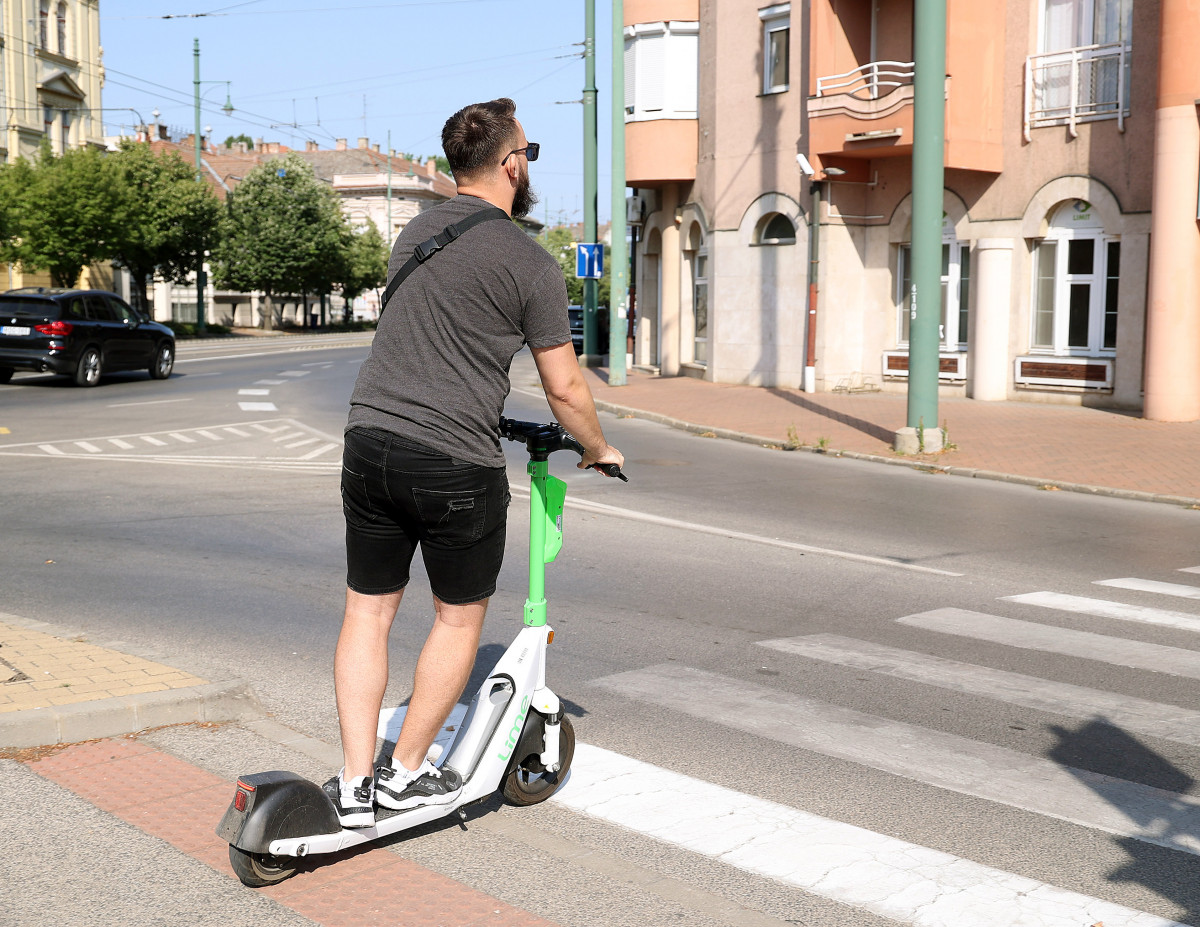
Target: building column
[[1172, 376], [991, 311], [669, 268]]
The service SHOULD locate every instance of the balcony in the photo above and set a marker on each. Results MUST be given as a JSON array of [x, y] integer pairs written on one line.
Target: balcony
[[866, 112], [1077, 85], [865, 82]]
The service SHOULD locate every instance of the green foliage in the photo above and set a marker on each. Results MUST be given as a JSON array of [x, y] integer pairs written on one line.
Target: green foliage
[[364, 263], [234, 139], [171, 218], [188, 329], [442, 163], [283, 233], [67, 212]]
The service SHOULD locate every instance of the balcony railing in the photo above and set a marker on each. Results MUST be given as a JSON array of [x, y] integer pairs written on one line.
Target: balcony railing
[[865, 82], [1077, 85]]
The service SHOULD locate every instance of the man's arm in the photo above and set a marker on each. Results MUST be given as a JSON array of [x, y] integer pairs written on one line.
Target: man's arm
[[572, 404]]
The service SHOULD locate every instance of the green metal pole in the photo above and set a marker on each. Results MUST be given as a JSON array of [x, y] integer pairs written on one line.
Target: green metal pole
[[200, 276], [591, 324], [929, 138], [388, 236], [619, 269]]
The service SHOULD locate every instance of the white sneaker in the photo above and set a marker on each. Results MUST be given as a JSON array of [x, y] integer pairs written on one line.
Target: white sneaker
[[354, 800], [399, 788]]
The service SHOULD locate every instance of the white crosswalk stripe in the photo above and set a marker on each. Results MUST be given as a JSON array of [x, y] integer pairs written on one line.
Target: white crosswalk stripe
[[1102, 608], [1027, 635], [936, 758], [1150, 585]]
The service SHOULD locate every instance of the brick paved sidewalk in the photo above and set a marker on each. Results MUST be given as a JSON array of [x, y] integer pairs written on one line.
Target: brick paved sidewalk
[[59, 688], [1050, 443]]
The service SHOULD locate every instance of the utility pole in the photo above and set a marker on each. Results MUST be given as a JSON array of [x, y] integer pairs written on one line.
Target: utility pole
[[929, 141], [619, 269], [591, 327], [201, 277]]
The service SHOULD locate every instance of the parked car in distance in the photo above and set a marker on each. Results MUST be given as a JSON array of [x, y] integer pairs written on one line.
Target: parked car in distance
[[81, 334], [575, 316]]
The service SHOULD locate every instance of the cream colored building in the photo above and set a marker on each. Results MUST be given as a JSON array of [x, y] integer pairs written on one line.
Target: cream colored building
[[1071, 251], [51, 75]]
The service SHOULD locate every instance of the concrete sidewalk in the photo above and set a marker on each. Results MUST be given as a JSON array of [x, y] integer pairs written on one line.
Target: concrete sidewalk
[[56, 687], [1069, 447]]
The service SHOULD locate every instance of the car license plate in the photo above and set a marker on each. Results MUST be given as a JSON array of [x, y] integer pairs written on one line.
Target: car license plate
[[14, 330]]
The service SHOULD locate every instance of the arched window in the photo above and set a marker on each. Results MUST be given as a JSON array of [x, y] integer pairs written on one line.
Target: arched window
[[776, 229], [62, 29]]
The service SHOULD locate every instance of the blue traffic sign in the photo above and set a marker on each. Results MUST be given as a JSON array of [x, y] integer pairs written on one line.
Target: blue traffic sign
[[589, 261]]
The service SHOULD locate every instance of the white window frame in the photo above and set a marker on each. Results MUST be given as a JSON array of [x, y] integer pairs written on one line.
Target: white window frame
[[662, 70], [776, 18], [949, 336], [700, 344], [1063, 281]]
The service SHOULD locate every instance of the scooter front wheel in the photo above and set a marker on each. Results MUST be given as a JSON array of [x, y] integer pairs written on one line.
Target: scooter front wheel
[[527, 781], [258, 869]]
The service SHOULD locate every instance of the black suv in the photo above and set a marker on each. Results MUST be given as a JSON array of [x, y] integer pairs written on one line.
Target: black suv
[[79, 333]]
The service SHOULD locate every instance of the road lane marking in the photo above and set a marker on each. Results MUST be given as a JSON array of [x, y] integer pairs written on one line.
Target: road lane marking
[[236, 431], [89, 447], [271, 429], [947, 761], [1155, 719], [1195, 569], [257, 407], [149, 402], [1102, 608], [846, 864], [123, 445], [1150, 585], [295, 444], [1030, 636], [294, 373], [254, 392], [319, 451], [150, 439], [631, 515], [269, 382], [51, 449], [182, 437], [208, 434], [288, 437]]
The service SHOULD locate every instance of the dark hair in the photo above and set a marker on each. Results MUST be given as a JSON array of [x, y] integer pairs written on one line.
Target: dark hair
[[475, 135]]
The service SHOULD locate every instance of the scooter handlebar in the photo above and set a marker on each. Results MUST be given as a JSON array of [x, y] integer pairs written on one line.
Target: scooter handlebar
[[545, 439]]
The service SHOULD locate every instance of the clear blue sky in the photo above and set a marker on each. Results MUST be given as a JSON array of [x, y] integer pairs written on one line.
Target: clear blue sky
[[317, 69]]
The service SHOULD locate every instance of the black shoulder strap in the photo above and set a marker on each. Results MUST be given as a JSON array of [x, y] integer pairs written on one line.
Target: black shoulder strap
[[427, 249]]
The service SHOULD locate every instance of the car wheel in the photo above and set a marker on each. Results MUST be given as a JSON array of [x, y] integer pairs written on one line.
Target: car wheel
[[87, 372], [5, 374], [163, 362]]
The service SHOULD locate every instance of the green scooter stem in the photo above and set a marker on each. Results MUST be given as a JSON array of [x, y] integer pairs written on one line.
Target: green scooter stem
[[547, 496]]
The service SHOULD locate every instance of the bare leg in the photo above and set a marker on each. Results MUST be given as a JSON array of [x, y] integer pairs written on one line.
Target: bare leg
[[442, 673], [360, 675]]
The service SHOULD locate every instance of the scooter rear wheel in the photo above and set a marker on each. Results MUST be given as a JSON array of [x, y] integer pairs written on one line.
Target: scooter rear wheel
[[258, 869], [527, 782]]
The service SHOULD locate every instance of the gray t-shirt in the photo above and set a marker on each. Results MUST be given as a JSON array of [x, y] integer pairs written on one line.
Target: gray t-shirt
[[438, 369]]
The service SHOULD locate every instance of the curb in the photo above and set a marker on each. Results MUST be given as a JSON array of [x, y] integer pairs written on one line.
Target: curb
[[233, 700], [1135, 495]]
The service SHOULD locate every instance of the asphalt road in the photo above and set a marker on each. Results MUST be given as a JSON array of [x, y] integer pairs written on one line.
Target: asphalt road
[[711, 614]]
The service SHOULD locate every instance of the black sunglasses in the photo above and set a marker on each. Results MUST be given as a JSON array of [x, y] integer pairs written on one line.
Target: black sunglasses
[[530, 151]]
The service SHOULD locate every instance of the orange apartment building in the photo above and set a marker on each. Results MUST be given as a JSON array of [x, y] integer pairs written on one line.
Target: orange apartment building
[[1071, 251]]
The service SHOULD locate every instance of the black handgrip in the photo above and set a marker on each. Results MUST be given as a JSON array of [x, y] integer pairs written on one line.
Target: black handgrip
[[611, 469]]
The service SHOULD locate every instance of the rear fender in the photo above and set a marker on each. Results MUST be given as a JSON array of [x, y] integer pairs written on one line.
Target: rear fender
[[276, 806]]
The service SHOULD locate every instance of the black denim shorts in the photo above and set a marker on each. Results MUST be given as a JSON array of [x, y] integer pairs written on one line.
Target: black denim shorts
[[398, 495]]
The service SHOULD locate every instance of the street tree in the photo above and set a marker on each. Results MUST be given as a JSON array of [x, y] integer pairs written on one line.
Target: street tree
[[281, 227], [365, 263], [70, 213], [172, 219]]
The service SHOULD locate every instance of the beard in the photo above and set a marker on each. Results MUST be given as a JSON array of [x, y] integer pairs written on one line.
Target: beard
[[524, 199]]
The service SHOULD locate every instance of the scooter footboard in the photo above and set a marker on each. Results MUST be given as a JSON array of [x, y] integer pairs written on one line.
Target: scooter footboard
[[273, 806]]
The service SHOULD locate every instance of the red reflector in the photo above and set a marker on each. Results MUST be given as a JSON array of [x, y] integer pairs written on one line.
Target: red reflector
[[54, 328], [239, 800], [246, 786]]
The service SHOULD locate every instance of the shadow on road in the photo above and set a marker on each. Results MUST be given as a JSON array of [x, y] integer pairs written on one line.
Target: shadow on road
[[878, 432]]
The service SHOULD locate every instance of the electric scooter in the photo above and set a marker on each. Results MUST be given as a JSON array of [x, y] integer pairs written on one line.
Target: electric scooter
[[514, 736]]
